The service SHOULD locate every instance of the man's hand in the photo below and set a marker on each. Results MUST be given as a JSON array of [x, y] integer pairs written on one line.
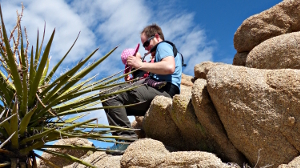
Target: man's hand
[[127, 78], [134, 62]]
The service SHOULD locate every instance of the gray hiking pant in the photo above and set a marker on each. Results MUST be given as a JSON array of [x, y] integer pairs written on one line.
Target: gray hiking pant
[[144, 94]]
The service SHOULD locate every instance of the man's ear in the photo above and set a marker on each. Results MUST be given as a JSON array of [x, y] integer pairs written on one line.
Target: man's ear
[[157, 36]]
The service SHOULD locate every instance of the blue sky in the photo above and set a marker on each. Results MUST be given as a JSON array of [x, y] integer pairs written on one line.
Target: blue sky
[[202, 30], [220, 20]]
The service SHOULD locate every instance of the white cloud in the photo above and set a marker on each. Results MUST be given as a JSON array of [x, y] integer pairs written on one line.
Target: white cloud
[[195, 49], [123, 23], [59, 16], [197, 58]]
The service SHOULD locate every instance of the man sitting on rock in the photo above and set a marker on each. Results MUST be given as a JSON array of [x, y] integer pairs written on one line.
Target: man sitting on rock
[[166, 67]]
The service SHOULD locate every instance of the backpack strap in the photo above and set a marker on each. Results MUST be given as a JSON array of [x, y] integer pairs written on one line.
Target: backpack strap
[[175, 51]]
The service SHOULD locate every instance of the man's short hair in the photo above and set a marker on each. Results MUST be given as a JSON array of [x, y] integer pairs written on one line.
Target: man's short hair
[[152, 29]]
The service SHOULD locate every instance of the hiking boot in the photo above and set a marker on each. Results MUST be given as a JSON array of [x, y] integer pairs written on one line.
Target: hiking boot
[[118, 148]]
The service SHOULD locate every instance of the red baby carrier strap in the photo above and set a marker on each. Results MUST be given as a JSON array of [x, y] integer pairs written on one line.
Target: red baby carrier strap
[[148, 73]]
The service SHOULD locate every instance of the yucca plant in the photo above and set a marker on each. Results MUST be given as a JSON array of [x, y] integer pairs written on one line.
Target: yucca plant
[[34, 107]]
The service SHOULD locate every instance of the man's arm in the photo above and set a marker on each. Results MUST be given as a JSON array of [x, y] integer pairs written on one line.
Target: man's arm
[[164, 67]]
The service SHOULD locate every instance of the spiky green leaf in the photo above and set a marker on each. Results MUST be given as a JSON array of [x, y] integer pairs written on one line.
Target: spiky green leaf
[[49, 77], [23, 63], [38, 75], [25, 121], [69, 157], [14, 126], [11, 60]]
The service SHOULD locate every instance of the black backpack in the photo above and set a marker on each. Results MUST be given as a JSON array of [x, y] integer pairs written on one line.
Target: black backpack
[[175, 51]]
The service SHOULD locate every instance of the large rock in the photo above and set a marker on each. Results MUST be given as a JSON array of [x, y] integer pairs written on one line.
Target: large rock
[[159, 125], [59, 161], [192, 132], [138, 125], [293, 164], [280, 19], [187, 80], [184, 90], [152, 153], [210, 121], [240, 59], [187, 83], [280, 52], [259, 110], [100, 160], [200, 70], [144, 153]]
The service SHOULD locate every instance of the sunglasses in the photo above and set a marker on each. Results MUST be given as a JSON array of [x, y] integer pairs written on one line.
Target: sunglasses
[[146, 43]]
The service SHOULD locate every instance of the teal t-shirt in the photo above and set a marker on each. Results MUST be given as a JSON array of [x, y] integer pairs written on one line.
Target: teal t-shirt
[[164, 50]]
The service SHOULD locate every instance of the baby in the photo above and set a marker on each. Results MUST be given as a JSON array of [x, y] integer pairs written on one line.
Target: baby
[[139, 73]]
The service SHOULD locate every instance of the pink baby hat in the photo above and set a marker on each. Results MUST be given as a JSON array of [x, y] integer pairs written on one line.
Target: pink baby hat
[[128, 52]]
